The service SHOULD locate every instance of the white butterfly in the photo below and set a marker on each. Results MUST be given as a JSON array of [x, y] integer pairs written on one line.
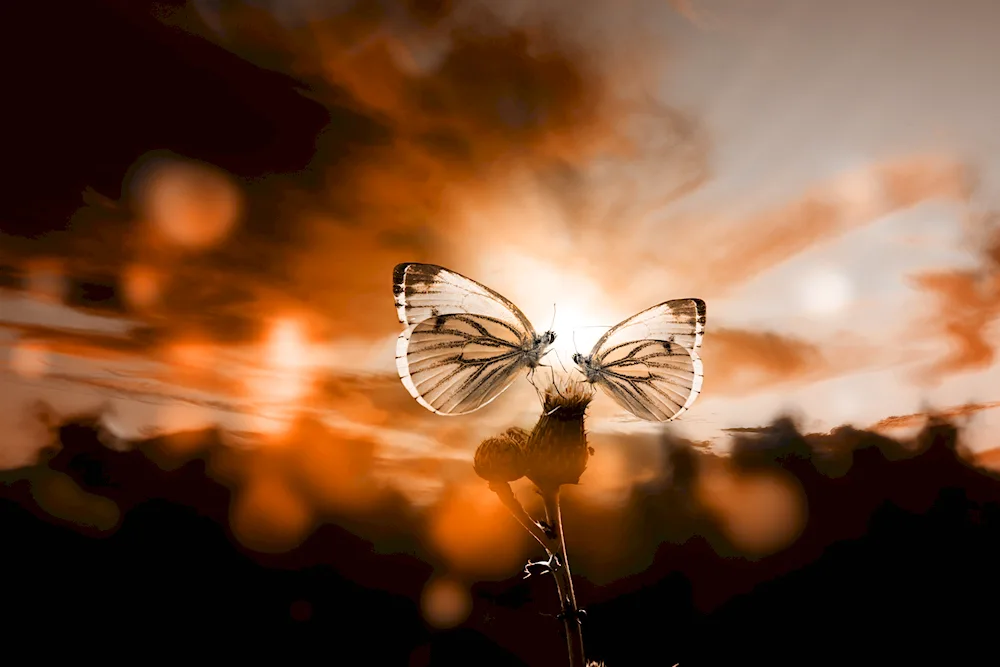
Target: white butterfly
[[463, 344], [649, 363]]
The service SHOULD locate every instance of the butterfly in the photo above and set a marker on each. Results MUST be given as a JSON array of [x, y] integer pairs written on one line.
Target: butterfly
[[463, 344], [649, 363]]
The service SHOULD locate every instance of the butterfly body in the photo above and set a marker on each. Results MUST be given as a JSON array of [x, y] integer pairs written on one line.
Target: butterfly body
[[463, 344], [590, 372]]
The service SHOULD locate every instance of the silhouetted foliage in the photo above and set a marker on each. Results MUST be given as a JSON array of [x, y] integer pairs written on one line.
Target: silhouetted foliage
[[905, 538]]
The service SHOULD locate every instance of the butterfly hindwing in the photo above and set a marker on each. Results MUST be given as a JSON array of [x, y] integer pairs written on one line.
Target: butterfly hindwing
[[454, 364]]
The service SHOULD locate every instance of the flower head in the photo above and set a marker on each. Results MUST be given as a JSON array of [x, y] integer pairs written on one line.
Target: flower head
[[502, 458], [565, 391], [557, 450]]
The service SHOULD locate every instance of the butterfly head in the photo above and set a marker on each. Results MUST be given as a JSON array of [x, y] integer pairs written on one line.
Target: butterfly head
[[539, 346], [585, 366]]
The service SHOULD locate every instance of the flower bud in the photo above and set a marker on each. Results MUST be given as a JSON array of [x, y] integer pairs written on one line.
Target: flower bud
[[501, 458], [557, 450]]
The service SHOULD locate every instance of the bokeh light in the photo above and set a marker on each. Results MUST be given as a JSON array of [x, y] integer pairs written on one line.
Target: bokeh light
[[29, 359], [61, 497], [192, 205], [142, 285], [445, 603], [759, 512], [475, 532], [268, 516]]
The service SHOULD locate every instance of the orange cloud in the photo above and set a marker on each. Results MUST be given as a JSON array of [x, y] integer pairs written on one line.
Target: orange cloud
[[83, 343], [741, 361], [966, 304], [920, 419], [826, 211]]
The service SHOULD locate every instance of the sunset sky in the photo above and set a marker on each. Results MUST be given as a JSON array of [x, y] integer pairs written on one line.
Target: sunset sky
[[822, 174]]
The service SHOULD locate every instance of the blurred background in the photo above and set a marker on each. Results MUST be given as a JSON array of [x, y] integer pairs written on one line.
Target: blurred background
[[204, 443]]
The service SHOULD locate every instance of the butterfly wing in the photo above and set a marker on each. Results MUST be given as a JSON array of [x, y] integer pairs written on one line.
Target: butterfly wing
[[649, 364], [426, 290], [464, 344], [456, 364]]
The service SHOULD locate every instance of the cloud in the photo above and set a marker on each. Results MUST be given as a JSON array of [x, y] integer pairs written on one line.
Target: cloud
[[430, 110], [734, 253], [965, 305], [739, 362], [920, 419], [83, 343]]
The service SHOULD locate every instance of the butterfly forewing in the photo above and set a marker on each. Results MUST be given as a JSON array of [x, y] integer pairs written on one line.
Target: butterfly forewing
[[464, 344], [678, 321], [649, 364], [427, 290]]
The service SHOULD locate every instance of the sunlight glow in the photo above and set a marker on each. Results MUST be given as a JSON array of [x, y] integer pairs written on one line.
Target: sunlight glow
[[284, 380], [825, 292], [287, 355], [535, 285], [29, 359]]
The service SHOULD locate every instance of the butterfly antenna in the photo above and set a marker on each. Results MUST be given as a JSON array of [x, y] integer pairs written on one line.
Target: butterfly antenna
[[589, 326]]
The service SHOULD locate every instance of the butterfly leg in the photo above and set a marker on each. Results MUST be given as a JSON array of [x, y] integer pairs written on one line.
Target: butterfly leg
[[531, 379], [552, 372], [555, 385], [539, 392]]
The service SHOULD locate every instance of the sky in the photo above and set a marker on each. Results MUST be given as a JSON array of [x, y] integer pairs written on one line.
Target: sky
[[822, 174]]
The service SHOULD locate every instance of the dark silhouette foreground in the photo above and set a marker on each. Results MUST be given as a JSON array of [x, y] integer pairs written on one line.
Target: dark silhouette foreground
[[898, 557]]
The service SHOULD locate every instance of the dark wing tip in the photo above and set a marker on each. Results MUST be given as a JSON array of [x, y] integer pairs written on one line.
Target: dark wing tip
[[399, 271], [422, 271], [699, 305]]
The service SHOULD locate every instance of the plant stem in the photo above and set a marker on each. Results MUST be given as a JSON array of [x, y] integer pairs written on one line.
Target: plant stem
[[564, 580], [553, 543], [507, 497]]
